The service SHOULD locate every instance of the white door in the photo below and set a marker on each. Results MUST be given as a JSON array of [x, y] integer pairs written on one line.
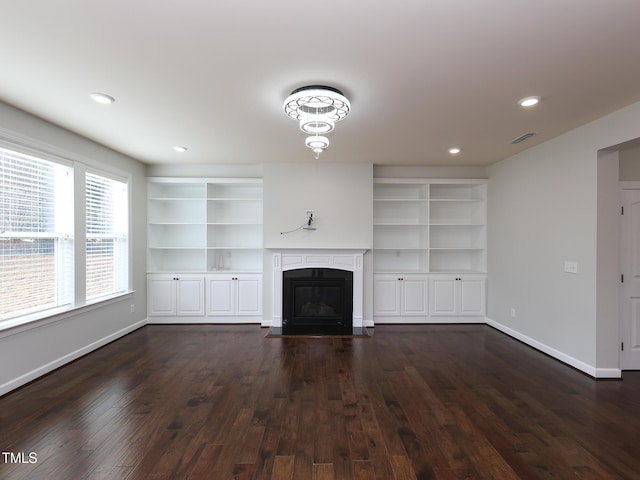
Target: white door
[[472, 296], [414, 296], [630, 286], [161, 295], [249, 293], [444, 296], [190, 296], [220, 296]]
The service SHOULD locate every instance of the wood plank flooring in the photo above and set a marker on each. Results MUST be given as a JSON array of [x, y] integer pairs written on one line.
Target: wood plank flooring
[[411, 402]]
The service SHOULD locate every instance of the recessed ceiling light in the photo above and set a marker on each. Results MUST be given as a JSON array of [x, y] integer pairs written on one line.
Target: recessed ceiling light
[[102, 98], [528, 101], [179, 148], [455, 150]]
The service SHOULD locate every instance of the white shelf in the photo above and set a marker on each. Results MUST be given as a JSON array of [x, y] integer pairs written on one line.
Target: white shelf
[[204, 225], [401, 191], [176, 190], [429, 225], [395, 260]]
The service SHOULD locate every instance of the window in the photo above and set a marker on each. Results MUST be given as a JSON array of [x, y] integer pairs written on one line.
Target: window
[[41, 266], [106, 236], [36, 231]]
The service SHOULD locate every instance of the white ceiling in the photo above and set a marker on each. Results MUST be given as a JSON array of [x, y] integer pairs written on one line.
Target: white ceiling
[[422, 75]]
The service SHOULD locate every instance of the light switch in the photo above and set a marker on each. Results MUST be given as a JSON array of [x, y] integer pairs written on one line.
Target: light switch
[[571, 267]]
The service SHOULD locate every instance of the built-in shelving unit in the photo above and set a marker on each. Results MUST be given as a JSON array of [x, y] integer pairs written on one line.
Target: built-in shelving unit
[[429, 226], [204, 225]]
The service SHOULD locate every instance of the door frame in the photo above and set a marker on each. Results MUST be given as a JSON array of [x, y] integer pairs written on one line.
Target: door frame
[[624, 185]]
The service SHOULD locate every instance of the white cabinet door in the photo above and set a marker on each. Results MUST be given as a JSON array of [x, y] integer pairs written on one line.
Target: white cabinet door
[[220, 295], [161, 295], [414, 296], [386, 295], [395, 296], [234, 295], [463, 296], [248, 294], [472, 296], [189, 296], [175, 295], [444, 296]]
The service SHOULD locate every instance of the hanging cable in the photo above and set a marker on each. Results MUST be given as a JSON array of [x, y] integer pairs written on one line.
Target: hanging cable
[[306, 225]]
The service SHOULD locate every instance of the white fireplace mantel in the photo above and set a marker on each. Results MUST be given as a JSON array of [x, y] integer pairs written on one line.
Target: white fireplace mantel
[[338, 258]]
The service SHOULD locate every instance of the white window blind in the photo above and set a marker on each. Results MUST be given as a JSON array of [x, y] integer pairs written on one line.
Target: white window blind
[[107, 236], [36, 230]]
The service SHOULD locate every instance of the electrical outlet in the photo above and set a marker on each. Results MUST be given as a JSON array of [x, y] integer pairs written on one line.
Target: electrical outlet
[[133, 308], [308, 214], [513, 312]]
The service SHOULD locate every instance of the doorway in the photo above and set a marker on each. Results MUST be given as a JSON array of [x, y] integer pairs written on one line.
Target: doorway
[[630, 277]]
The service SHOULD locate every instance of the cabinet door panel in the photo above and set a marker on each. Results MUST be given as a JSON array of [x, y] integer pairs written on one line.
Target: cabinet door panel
[[161, 296], [190, 296], [249, 292], [386, 296], [220, 297], [472, 297], [444, 297], [414, 297]]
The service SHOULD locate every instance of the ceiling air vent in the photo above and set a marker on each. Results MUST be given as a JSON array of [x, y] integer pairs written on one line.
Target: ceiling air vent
[[522, 138]]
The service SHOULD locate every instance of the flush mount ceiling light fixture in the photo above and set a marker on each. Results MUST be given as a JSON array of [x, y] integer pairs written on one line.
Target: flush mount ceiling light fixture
[[317, 108]]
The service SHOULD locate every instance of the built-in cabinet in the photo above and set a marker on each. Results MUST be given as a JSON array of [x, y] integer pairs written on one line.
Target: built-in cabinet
[[234, 295], [175, 295], [205, 252], [209, 230], [400, 296], [434, 230], [461, 296], [204, 225]]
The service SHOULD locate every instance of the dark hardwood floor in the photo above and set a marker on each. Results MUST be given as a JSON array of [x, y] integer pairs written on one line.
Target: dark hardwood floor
[[223, 402]]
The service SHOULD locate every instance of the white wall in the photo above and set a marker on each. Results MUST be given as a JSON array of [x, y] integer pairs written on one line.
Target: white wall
[[341, 196], [630, 164], [32, 350], [547, 205], [425, 171], [608, 261], [247, 170]]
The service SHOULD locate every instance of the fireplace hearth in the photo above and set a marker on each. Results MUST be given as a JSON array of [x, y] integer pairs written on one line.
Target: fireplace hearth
[[317, 301]]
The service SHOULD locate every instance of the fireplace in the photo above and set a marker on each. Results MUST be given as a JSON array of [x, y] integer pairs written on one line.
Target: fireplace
[[317, 301], [291, 260]]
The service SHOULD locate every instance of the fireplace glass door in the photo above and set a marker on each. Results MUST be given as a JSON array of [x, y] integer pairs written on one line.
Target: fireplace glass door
[[317, 301]]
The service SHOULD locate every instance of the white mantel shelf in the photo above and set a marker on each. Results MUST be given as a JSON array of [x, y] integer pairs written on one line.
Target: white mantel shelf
[[338, 258]]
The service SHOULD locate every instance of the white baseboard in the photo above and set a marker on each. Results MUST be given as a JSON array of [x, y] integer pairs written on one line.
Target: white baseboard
[[171, 320], [608, 373], [59, 362], [558, 355], [383, 319]]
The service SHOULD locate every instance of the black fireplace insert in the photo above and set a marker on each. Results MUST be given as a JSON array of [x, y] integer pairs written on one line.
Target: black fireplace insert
[[317, 301]]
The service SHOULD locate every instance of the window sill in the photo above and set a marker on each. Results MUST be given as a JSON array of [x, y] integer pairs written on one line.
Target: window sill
[[28, 322]]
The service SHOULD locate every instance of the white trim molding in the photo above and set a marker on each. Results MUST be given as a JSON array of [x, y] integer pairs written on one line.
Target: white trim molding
[[59, 362], [337, 258], [558, 355]]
